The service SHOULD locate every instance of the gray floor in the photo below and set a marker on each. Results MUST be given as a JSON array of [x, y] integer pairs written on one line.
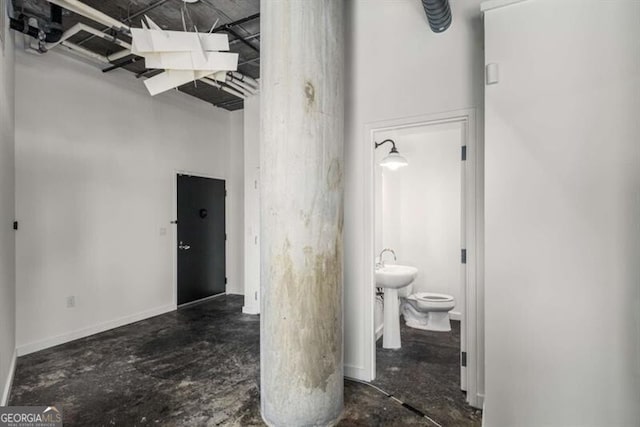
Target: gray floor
[[199, 366]]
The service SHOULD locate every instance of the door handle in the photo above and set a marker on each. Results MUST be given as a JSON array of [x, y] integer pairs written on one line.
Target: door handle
[[184, 247]]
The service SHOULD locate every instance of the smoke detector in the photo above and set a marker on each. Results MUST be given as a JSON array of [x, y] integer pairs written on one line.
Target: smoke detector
[[190, 1]]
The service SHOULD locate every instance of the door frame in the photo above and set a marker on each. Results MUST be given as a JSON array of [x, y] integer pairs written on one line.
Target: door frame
[[472, 339], [174, 232]]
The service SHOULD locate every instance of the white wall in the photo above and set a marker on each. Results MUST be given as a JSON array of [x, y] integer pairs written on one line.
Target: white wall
[[563, 214], [252, 205], [420, 215], [235, 204], [7, 215], [95, 180], [396, 68]]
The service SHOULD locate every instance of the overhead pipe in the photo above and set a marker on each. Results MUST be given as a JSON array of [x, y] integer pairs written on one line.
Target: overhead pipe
[[438, 14], [242, 39], [146, 10], [246, 79], [147, 72], [122, 63], [237, 87], [251, 37], [53, 33], [119, 55], [249, 61], [245, 88], [228, 28], [238, 22], [242, 84], [23, 27], [233, 92], [224, 88]]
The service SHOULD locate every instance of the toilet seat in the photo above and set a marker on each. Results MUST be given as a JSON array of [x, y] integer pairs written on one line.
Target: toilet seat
[[431, 297]]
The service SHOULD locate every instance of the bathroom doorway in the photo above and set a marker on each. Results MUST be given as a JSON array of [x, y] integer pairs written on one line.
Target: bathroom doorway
[[426, 212]]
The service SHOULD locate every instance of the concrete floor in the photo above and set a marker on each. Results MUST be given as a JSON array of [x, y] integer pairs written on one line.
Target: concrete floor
[[200, 366]]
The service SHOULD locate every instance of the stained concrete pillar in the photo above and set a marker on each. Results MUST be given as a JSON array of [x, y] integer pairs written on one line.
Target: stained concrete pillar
[[302, 109]]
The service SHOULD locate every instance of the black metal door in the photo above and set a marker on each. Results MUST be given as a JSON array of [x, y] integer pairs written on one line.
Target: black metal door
[[201, 238]]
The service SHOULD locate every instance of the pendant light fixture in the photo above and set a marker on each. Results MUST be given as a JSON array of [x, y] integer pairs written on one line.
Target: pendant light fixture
[[184, 56], [394, 160]]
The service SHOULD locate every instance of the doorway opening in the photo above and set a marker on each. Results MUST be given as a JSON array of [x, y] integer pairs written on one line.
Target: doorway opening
[[200, 238], [426, 213]]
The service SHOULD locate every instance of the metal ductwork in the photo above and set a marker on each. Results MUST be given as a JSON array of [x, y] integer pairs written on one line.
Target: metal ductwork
[[53, 29], [438, 14]]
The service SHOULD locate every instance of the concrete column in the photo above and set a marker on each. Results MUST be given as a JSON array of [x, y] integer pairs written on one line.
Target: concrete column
[[301, 212]]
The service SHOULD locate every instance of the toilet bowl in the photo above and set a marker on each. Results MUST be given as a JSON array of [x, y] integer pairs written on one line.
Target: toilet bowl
[[426, 310]]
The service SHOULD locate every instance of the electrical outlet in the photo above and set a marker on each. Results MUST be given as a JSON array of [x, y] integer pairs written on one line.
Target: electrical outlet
[[71, 301]]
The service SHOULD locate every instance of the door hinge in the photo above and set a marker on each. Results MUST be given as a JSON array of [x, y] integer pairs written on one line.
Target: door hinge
[[225, 280], [225, 192], [463, 256], [15, 225], [464, 152], [225, 236], [463, 359]]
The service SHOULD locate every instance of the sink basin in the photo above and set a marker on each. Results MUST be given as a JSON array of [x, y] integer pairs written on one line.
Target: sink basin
[[392, 278], [395, 276]]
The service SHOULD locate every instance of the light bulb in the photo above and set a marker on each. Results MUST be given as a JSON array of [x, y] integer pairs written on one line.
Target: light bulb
[[394, 161]]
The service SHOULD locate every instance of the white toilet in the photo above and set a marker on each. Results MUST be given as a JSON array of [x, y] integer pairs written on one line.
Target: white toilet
[[426, 310]]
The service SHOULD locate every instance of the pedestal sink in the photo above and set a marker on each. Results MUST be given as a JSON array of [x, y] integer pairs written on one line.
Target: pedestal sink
[[391, 278]]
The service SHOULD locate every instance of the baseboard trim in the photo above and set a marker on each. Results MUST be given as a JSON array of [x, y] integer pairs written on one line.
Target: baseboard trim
[[250, 309], [356, 372], [32, 347], [6, 392], [455, 315], [480, 401], [201, 300]]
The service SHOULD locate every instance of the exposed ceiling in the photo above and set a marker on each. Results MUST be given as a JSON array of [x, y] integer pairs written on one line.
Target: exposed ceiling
[[168, 14]]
